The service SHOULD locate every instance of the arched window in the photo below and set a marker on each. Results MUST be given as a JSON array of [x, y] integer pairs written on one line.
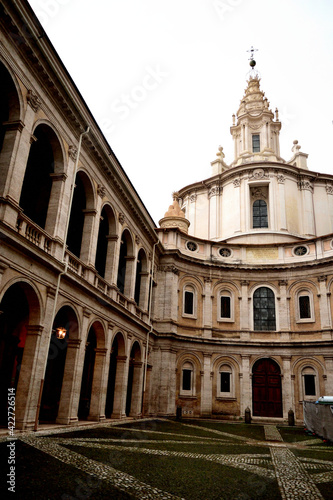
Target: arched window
[[304, 306], [187, 386], [225, 383], [122, 266], [37, 184], [226, 306], [189, 301], [264, 309], [141, 280], [309, 383], [260, 215]]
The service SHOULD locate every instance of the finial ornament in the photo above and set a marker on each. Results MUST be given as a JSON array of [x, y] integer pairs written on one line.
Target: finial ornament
[[253, 73], [252, 61]]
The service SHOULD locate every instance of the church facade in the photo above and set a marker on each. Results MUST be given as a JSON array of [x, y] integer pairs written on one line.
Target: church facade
[[226, 306]]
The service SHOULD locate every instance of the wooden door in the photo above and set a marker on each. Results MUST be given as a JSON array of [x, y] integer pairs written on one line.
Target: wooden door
[[266, 389]]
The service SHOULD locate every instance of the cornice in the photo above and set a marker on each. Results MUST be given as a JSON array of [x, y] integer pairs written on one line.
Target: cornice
[[21, 25]]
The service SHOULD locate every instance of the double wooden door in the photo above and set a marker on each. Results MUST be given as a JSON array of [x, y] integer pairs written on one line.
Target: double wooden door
[[266, 389]]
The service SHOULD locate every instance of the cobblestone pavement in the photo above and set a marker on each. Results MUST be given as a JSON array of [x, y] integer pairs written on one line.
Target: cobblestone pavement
[[296, 476], [294, 482]]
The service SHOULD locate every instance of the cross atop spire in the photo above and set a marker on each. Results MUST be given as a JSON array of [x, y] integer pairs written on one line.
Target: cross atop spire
[[252, 61]]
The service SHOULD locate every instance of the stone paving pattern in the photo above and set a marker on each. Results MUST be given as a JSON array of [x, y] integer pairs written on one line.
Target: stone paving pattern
[[291, 472]]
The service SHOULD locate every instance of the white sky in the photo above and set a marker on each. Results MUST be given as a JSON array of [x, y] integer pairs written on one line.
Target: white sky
[[163, 78]]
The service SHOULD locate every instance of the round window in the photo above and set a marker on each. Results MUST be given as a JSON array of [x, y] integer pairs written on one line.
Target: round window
[[225, 252], [300, 250], [191, 246]]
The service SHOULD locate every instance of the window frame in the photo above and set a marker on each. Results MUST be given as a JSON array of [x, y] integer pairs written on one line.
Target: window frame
[[260, 216], [309, 294], [275, 310], [226, 367], [230, 295], [309, 370], [190, 288], [187, 365], [256, 139]]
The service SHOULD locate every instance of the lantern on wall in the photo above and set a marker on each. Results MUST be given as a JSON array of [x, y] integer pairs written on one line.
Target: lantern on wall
[[61, 333]]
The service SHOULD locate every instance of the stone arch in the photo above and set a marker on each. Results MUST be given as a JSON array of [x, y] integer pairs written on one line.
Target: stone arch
[[60, 367], [126, 263], [266, 388], [115, 388], [187, 383], [135, 381], [11, 109], [19, 340], [45, 160], [82, 216]]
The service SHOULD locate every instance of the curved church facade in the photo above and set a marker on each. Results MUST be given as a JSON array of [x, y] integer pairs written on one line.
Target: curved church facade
[[226, 306]]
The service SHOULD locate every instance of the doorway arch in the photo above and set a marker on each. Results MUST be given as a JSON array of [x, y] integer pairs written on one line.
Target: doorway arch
[[56, 364], [266, 388]]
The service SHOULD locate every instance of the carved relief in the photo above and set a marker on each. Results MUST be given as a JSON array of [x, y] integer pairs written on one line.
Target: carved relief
[[280, 178], [121, 218], [329, 188], [72, 152], [259, 193], [193, 197], [33, 100], [214, 191], [236, 182], [305, 184], [169, 269], [101, 190]]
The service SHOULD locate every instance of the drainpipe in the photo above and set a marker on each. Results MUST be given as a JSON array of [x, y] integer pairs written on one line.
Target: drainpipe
[[150, 330], [60, 274]]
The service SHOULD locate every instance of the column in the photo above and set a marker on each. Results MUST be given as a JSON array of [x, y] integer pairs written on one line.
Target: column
[[245, 385], [130, 276], [206, 387], [28, 388], [236, 206], [71, 384], [89, 237], [167, 389], [120, 388], [244, 310], [99, 387], [329, 375], [284, 310], [325, 318], [282, 203], [111, 265], [207, 309], [55, 221], [287, 387], [307, 215], [136, 400]]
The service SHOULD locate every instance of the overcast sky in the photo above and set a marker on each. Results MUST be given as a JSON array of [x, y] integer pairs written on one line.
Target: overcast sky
[[163, 78]]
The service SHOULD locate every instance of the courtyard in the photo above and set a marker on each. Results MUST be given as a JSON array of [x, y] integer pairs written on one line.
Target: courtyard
[[167, 459]]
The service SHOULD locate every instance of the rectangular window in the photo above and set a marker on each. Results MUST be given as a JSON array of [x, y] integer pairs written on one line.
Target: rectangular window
[[225, 382], [309, 385], [225, 307], [304, 307], [256, 143], [188, 302], [187, 375]]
